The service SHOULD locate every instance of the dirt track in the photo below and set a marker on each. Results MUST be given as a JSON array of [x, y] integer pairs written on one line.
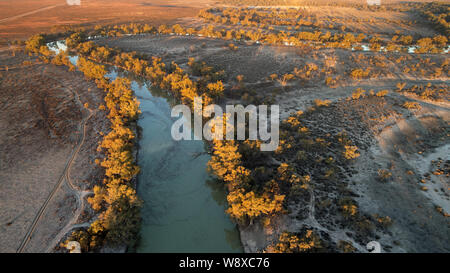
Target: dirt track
[[64, 177], [28, 13], [52, 16], [41, 148], [398, 199]]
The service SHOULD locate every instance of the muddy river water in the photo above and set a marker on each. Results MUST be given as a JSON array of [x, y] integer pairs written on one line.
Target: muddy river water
[[184, 209]]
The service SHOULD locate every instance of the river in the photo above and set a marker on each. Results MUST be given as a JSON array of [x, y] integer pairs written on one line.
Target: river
[[184, 208]]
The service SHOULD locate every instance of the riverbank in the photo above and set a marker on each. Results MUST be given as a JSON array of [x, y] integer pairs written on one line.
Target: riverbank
[[38, 145], [308, 211], [215, 239], [303, 212], [176, 188]]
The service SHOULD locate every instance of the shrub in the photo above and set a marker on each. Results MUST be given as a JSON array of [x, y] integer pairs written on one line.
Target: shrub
[[384, 175], [359, 93], [284, 80], [348, 208], [320, 103], [232, 47], [351, 152], [296, 243], [359, 73], [400, 86], [75, 39], [382, 93], [411, 105], [215, 89], [383, 221], [34, 43], [346, 247]]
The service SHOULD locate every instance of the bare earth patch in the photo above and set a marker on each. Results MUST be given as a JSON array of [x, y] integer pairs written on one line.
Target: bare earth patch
[[40, 127], [387, 135]]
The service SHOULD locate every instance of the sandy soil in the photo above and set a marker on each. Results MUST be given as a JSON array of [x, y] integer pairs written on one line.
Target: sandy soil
[[89, 13]]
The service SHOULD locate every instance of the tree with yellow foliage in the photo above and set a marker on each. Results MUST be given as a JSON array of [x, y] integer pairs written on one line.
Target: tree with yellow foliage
[[34, 43], [296, 243], [245, 207]]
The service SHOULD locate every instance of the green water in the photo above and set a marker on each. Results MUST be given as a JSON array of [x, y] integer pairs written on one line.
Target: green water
[[184, 210]]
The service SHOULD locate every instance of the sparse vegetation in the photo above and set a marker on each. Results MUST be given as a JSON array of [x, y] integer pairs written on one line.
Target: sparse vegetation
[[411, 105], [355, 73], [384, 175], [293, 243]]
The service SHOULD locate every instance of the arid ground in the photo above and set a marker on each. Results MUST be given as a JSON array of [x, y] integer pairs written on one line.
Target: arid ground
[[43, 116], [43, 119], [19, 19], [393, 106], [389, 136]]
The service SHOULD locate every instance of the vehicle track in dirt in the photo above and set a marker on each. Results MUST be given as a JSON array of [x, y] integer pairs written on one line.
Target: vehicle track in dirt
[[29, 13], [64, 177]]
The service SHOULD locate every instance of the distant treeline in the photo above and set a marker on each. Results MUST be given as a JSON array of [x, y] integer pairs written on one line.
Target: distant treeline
[[391, 5], [264, 21]]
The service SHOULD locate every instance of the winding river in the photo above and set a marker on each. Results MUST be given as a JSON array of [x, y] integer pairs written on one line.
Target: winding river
[[184, 208]]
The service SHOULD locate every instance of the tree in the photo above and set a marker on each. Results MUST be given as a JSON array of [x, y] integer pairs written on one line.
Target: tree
[[284, 80], [425, 45], [90, 69], [215, 89], [358, 94], [249, 206], [359, 73], [75, 39], [225, 160], [296, 243], [62, 58], [440, 40], [34, 43], [122, 221], [351, 152]]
